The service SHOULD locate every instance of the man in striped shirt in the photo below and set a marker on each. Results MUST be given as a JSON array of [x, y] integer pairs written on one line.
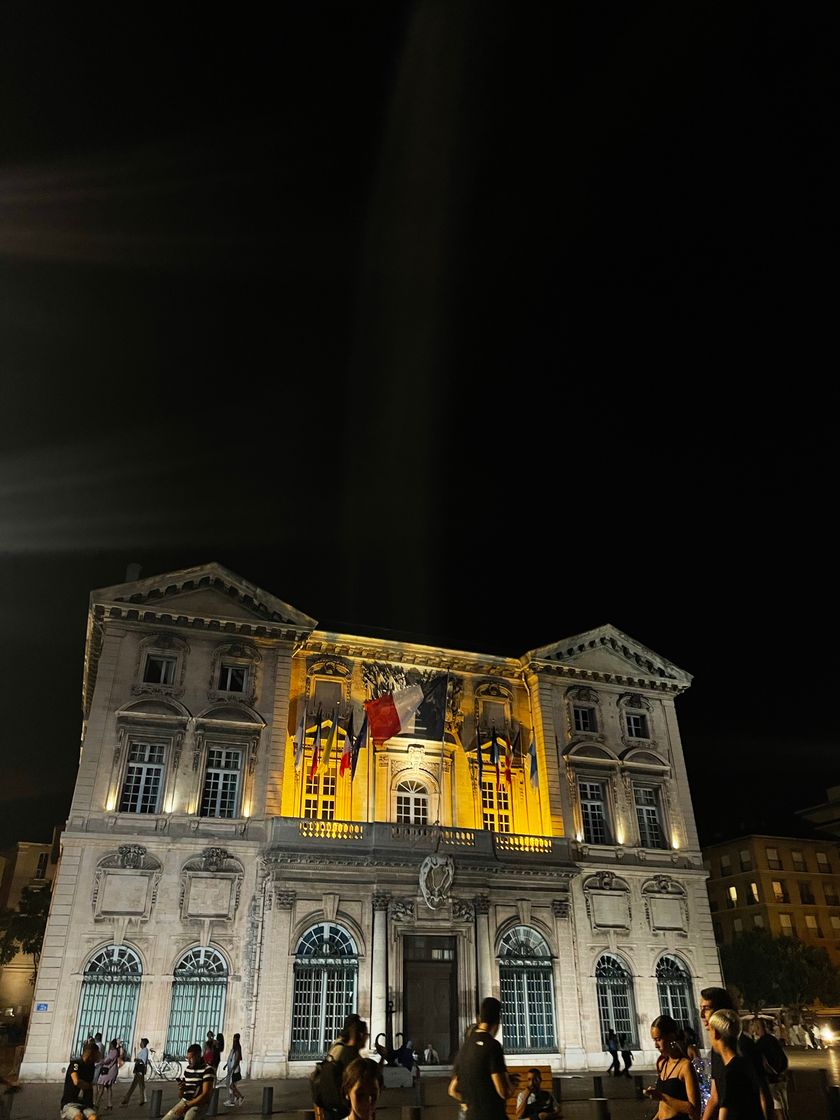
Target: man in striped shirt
[[195, 1088]]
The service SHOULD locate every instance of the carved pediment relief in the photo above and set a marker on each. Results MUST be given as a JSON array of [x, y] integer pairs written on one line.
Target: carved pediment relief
[[666, 904], [211, 884], [607, 901], [125, 884], [608, 651]]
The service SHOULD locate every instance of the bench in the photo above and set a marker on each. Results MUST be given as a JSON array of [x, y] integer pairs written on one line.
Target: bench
[[523, 1073]]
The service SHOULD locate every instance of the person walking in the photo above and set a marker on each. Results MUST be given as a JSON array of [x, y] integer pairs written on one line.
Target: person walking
[[141, 1065], [108, 1071], [775, 1063], [626, 1054], [719, 999], [195, 1089], [481, 1078], [611, 1043], [676, 1087], [234, 1072], [741, 1097]]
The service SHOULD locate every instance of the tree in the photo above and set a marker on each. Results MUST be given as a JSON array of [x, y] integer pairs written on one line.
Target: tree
[[779, 971], [23, 929]]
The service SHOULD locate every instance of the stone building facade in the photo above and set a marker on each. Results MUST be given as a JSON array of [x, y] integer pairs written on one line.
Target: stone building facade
[[213, 877]]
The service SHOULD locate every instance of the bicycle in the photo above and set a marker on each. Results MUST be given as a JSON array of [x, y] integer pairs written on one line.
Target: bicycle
[[169, 1068]]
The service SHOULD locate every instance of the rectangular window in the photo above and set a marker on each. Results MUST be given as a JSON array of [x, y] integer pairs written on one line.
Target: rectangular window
[[786, 924], [725, 866], [593, 811], [159, 670], [143, 778], [738, 925], [752, 897], [651, 834], [758, 921], [41, 869], [746, 861], [812, 925], [319, 796], [495, 807], [636, 725], [835, 923], [798, 859], [584, 719], [830, 892], [773, 861], [232, 678], [732, 898], [806, 894], [780, 893], [327, 696], [221, 783], [822, 862]]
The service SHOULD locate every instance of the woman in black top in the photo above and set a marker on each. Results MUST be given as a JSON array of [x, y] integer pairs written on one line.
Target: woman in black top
[[676, 1087]]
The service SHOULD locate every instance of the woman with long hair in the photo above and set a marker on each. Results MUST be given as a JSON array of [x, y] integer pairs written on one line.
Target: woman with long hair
[[234, 1073], [676, 1087], [361, 1086], [108, 1075]]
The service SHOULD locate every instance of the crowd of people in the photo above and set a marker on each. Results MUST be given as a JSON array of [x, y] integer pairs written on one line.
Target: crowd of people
[[744, 1078]]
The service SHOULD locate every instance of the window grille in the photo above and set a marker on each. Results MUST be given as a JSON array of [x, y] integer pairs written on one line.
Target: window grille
[[673, 985], [495, 806], [616, 1005], [326, 969], [110, 990], [319, 798], [199, 991], [412, 803], [143, 778], [527, 992], [647, 815], [221, 783]]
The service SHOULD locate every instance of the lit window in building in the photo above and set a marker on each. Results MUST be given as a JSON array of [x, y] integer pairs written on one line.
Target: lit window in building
[[221, 783], [786, 924], [593, 811], [495, 806], [752, 897], [412, 803], [773, 861], [798, 859], [584, 718], [822, 862], [812, 925], [835, 923], [143, 778], [41, 869], [648, 816], [319, 796], [780, 893], [732, 897]]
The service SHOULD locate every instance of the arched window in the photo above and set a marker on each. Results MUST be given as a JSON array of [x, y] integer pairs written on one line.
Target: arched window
[[110, 988], [673, 985], [412, 803], [616, 1006], [527, 992], [198, 999], [326, 966]]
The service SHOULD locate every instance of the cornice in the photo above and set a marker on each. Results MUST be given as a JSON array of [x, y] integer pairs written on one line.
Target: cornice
[[214, 623], [576, 674], [412, 654]]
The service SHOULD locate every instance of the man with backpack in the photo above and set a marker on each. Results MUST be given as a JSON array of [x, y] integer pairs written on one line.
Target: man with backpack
[[326, 1077], [775, 1063]]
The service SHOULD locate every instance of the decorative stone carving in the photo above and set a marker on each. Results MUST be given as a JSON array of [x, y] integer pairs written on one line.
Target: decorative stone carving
[[482, 904], [607, 901], [436, 876], [380, 901], [416, 756], [666, 904], [402, 910], [560, 907], [125, 884], [211, 884], [462, 911], [329, 902], [523, 909]]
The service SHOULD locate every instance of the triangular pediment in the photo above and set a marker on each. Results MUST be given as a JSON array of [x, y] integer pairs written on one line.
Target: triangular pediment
[[207, 591], [610, 651]]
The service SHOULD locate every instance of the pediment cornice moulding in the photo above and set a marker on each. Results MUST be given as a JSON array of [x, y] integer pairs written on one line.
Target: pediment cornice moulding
[[142, 617], [576, 675], [406, 653]]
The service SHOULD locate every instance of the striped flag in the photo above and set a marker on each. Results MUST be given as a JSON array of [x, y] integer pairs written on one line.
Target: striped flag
[[357, 746], [300, 739], [332, 738], [347, 753], [316, 747], [532, 752]]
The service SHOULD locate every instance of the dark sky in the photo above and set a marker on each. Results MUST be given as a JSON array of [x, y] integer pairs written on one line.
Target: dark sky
[[481, 321]]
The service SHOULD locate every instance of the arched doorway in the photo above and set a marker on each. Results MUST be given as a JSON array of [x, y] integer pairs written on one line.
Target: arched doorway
[[527, 992], [199, 991], [326, 968], [110, 990]]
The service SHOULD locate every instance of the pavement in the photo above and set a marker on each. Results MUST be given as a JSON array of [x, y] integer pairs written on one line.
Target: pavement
[[811, 1071]]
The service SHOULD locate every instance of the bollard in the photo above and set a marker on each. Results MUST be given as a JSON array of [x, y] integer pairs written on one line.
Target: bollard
[[833, 1097], [557, 1087], [600, 1108], [597, 1087], [267, 1100], [639, 1082], [155, 1102], [213, 1107]]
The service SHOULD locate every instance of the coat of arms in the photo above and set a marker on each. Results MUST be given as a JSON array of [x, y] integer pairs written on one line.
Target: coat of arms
[[436, 875]]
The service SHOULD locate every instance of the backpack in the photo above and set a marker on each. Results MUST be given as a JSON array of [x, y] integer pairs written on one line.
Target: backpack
[[325, 1083]]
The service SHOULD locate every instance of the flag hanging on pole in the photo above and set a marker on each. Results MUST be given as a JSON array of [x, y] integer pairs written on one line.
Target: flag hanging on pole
[[300, 740], [494, 753], [532, 751], [509, 753], [346, 754], [357, 746], [478, 755], [391, 713], [331, 741], [430, 718], [316, 747]]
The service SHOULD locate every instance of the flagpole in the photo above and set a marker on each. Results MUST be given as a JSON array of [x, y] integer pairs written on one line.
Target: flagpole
[[534, 737], [303, 759]]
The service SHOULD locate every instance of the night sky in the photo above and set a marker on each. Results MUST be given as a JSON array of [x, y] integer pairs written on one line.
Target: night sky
[[483, 323]]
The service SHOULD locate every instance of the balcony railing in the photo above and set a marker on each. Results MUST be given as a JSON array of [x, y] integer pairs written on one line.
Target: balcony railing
[[301, 833]]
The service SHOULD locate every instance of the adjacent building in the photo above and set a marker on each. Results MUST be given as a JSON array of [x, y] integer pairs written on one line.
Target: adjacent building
[[232, 861], [787, 886]]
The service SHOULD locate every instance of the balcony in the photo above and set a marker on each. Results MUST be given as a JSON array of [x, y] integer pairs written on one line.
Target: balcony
[[354, 837]]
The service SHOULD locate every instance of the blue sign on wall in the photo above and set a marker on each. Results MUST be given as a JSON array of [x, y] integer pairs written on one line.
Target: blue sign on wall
[[42, 1007]]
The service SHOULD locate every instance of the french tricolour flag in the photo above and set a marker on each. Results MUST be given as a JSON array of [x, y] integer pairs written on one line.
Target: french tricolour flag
[[390, 714]]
